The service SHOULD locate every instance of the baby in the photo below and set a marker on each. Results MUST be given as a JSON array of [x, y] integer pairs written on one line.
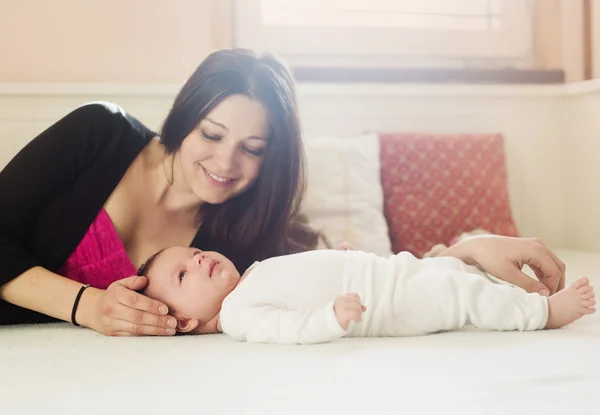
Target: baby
[[319, 296]]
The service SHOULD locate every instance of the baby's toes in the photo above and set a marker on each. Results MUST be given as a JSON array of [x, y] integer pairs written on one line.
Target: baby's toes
[[588, 303], [586, 289], [587, 296], [581, 282]]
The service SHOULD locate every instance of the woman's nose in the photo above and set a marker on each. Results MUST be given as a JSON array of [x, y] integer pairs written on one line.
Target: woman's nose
[[225, 158]]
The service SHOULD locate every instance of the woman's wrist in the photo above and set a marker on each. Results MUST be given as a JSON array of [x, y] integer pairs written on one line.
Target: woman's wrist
[[86, 309], [463, 250]]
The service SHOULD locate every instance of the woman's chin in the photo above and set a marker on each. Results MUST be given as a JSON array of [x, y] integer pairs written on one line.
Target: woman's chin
[[215, 194], [213, 197]]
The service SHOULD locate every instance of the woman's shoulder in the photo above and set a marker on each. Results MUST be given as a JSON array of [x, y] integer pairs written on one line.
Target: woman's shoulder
[[109, 116], [97, 110]]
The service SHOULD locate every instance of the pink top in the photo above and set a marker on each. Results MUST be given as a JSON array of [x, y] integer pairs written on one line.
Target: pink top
[[100, 258]]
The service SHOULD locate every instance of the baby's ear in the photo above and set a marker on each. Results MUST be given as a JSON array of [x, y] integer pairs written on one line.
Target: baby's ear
[[185, 325]]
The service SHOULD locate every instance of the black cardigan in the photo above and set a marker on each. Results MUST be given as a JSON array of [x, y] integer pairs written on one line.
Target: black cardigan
[[56, 185]]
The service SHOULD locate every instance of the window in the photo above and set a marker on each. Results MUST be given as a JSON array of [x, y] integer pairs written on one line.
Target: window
[[422, 14], [374, 30]]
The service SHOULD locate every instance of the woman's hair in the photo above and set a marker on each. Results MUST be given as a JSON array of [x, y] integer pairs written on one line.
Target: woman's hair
[[263, 220]]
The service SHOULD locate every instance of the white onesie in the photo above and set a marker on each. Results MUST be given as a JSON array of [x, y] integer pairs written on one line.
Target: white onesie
[[289, 299]]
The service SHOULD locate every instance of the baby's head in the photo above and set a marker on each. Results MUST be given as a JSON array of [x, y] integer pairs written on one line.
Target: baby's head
[[191, 282]]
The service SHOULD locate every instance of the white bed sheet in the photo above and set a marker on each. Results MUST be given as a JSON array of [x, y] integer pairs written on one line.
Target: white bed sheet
[[60, 369]]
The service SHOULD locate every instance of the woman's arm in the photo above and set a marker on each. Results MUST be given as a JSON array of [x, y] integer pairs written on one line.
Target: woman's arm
[[115, 312], [504, 257], [43, 291]]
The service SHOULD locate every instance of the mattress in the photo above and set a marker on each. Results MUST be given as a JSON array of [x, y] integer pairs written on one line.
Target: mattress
[[57, 368]]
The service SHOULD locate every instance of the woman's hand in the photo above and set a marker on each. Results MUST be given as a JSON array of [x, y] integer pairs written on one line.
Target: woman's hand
[[120, 311], [345, 246], [504, 257]]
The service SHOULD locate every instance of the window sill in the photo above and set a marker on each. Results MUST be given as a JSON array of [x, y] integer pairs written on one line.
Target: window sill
[[427, 76]]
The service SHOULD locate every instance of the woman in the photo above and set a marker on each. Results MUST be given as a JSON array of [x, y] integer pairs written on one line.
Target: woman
[[93, 196]]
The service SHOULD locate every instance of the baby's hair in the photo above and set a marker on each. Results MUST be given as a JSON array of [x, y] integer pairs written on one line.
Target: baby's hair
[[144, 269]]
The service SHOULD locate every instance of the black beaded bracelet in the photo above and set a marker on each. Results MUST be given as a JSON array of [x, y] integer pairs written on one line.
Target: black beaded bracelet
[[76, 303]]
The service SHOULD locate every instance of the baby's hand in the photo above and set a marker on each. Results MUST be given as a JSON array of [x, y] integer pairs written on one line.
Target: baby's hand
[[347, 308]]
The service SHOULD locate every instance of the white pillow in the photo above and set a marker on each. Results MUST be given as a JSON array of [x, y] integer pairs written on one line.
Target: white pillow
[[344, 197]]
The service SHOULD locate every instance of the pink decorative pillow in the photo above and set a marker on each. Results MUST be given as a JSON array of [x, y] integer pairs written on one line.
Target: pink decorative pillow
[[438, 186]]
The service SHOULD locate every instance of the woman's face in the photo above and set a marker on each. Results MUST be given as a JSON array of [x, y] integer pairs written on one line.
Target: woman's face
[[222, 156]]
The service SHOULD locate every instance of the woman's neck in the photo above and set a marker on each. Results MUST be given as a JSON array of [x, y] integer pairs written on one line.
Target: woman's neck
[[167, 185]]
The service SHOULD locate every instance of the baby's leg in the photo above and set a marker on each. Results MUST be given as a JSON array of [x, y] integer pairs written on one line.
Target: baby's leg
[[440, 300], [491, 306], [571, 304]]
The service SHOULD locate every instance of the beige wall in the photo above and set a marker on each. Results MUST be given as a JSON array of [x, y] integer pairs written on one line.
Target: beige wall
[[558, 37], [595, 38], [162, 41], [547, 34], [572, 40], [108, 41]]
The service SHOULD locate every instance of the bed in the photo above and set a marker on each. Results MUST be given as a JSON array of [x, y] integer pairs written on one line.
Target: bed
[[58, 368]]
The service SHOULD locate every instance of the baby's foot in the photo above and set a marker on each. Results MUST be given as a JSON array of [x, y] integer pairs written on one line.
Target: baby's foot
[[570, 304]]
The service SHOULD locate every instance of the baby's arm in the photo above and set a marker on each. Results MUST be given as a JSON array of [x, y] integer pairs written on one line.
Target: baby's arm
[[270, 323]]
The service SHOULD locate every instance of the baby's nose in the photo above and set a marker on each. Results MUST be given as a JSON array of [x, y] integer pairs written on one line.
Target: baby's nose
[[199, 258], [202, 259]]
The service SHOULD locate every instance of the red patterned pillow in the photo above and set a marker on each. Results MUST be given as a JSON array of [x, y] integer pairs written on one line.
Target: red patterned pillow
[[438, 186]]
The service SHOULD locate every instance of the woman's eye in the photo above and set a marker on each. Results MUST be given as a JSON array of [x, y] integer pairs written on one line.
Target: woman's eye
[[256, 152], [182, 275], [211, 137]]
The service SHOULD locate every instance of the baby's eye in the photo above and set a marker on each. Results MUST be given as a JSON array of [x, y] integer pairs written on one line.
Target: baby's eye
[[182, 275]]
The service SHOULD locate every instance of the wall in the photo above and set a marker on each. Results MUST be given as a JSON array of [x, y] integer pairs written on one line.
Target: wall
[[572, 46], [108, 41], [581, 136], [595, 5], [547, 34], [160, 41]]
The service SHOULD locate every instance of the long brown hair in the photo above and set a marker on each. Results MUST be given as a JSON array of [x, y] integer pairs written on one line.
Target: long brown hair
[[263, 220]]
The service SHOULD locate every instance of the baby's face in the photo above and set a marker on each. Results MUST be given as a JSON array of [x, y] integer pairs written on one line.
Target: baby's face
[[192, 283]]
